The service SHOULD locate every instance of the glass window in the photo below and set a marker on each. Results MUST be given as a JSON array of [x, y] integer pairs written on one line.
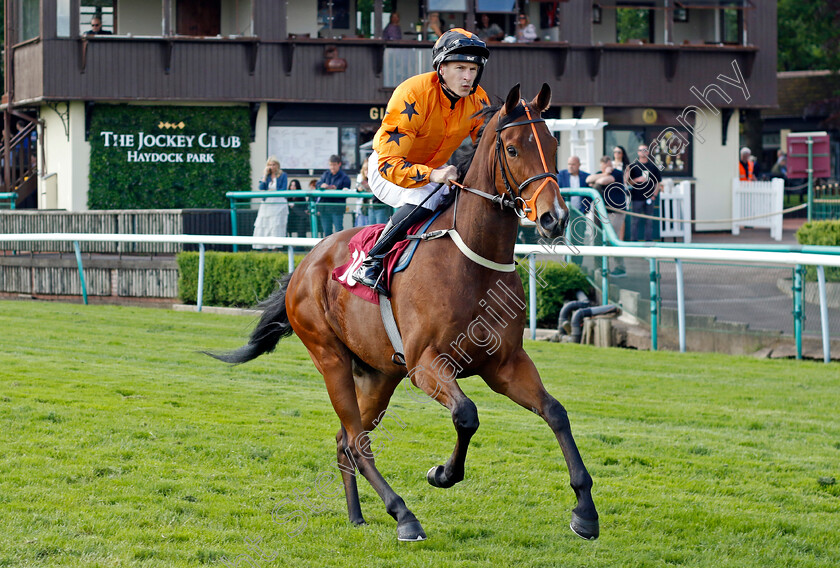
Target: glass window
[[101, 9], [482, 6], [447, 5], [633, 24], [350, 147], [62, 18], [730, 25], [670, 147], [29, 26]]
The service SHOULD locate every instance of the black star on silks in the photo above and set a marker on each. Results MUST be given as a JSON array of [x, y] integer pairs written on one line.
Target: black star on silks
[[395, 135], [418, 177], [409, 110], [406, 164], [384, 168]]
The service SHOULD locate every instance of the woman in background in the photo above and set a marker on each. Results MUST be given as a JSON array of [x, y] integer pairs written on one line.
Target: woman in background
[[274, 211]]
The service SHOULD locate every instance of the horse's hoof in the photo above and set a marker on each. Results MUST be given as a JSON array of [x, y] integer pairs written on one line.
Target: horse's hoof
[[587, 530], [358, 522], [436, 477], [411, 531]]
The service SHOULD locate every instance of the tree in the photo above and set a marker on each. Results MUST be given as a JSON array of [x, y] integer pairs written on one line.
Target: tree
[[807, 35]]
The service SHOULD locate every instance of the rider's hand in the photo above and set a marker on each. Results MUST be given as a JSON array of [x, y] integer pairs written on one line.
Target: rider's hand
[[444, 174]]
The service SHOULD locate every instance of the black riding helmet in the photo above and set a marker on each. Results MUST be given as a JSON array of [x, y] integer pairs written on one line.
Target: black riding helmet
[[458, 44]]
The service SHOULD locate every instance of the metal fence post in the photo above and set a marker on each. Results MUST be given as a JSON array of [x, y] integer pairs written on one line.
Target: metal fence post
[[797, 309], [680, 305], [78, 250], [654, 340], [233, 225], [291, 259], [605, 283], [200, 291], [826, 340], [532, 294]]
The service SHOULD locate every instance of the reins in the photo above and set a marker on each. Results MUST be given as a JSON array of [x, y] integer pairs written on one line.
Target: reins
[[521, 207]]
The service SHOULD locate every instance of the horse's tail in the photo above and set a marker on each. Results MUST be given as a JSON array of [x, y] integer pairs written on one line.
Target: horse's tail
[[273, 326]]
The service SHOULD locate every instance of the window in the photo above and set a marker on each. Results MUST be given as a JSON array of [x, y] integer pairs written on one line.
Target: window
[[633, 25], [447, 5], [29, 26], [104, 10], [730, 25], [486, 6], [670, 147]]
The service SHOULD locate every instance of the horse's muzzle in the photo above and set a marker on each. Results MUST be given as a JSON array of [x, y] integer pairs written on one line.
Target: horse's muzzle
[[553, 223]]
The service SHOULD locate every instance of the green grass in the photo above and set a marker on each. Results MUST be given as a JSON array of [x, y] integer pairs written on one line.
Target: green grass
[[121, 446]]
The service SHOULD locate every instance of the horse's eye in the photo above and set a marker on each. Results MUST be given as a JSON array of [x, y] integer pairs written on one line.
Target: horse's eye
[[511, 151]]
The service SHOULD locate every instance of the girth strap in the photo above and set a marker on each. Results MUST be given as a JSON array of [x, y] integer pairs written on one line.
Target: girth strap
[[387, 313]]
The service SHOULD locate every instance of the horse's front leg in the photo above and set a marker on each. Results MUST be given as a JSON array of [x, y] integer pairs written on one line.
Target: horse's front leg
[[443, 388], [519, 380]]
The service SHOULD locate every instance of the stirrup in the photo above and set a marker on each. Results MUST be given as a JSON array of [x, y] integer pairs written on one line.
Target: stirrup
[[371, 274]]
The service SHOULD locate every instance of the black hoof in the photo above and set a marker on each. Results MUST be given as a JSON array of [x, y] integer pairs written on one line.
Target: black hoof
[[358, 522], [410, 531], [587, 530]]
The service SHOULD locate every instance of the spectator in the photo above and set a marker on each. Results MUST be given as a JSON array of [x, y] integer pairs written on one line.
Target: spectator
[[434, 27], [620, 159], [525, 31], [392, 30], [273, 214], [575, 179], [779, 169], [609, 182], [332, 214], [298, 212], [489, 31], [643, 178], [96, 27], [746, 167]]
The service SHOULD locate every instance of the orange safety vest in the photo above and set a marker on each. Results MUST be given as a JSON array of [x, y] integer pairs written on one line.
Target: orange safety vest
[[421, 130], [746, 174]]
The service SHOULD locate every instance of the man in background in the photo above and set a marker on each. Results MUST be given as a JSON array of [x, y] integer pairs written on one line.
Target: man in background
[[331, 209]]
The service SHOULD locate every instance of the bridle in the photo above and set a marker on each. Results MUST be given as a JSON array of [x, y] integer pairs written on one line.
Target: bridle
[[522, 207]]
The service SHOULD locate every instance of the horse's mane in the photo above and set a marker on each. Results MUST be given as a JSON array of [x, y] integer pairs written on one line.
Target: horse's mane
[[462, 157]]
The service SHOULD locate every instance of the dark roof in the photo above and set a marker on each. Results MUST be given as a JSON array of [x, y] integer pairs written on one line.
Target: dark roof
[[799, 90]]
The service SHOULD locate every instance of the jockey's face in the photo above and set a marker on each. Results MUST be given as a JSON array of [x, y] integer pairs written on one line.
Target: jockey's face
[[459, 76]]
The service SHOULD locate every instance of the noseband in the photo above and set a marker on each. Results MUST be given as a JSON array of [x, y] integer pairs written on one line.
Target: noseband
[[523, 208]]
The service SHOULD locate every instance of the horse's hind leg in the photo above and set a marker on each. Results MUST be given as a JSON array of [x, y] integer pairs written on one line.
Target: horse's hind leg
[[464, 417], [348, 477], [335, 364], [519, 380]]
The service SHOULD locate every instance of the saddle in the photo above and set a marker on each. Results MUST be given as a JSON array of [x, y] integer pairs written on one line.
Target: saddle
[[396, 261]]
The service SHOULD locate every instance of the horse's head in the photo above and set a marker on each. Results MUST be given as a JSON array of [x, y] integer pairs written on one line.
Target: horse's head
[[526, 156]]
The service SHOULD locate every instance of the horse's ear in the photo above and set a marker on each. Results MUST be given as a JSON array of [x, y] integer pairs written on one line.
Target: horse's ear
[[512, 99], [543, 100]]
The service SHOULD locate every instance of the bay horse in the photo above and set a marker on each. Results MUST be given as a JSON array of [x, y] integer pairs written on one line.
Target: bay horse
[[437, 302]]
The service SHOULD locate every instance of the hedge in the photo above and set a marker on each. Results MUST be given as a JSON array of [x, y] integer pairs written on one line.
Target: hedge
[[561, 283], [117, 183], [822, 233], [232, 279], [243, 279]]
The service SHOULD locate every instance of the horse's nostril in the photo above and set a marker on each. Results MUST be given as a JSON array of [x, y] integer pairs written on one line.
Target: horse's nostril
[[548, 221]]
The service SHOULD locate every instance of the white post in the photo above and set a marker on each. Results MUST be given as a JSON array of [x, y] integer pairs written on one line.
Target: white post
[[685, 210], [777, 200], [680, 305], [200, 291], [532, 294], [736, 205], [824, 315]]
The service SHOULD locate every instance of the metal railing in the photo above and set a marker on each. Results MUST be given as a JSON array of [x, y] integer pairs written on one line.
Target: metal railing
[[819, 258], [11, 196]]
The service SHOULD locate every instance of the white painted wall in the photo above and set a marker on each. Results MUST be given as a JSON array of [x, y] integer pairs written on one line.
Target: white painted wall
[[302, 18], [143, 18], [259, 147], [605, 31], [68, 159], [714, 167], [700, 27], [236, 18], [564, 148]]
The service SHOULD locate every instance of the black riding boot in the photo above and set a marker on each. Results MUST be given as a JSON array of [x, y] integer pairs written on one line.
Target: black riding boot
[[369, 272]]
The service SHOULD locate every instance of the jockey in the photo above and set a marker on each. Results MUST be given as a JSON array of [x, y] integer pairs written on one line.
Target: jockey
[[428, 117]]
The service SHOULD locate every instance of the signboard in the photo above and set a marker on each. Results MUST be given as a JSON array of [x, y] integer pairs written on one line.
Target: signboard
[[303, 147], [797, 154]]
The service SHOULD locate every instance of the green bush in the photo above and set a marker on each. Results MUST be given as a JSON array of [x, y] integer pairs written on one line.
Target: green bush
[[561, 283], [821, 233], [232, 279]]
